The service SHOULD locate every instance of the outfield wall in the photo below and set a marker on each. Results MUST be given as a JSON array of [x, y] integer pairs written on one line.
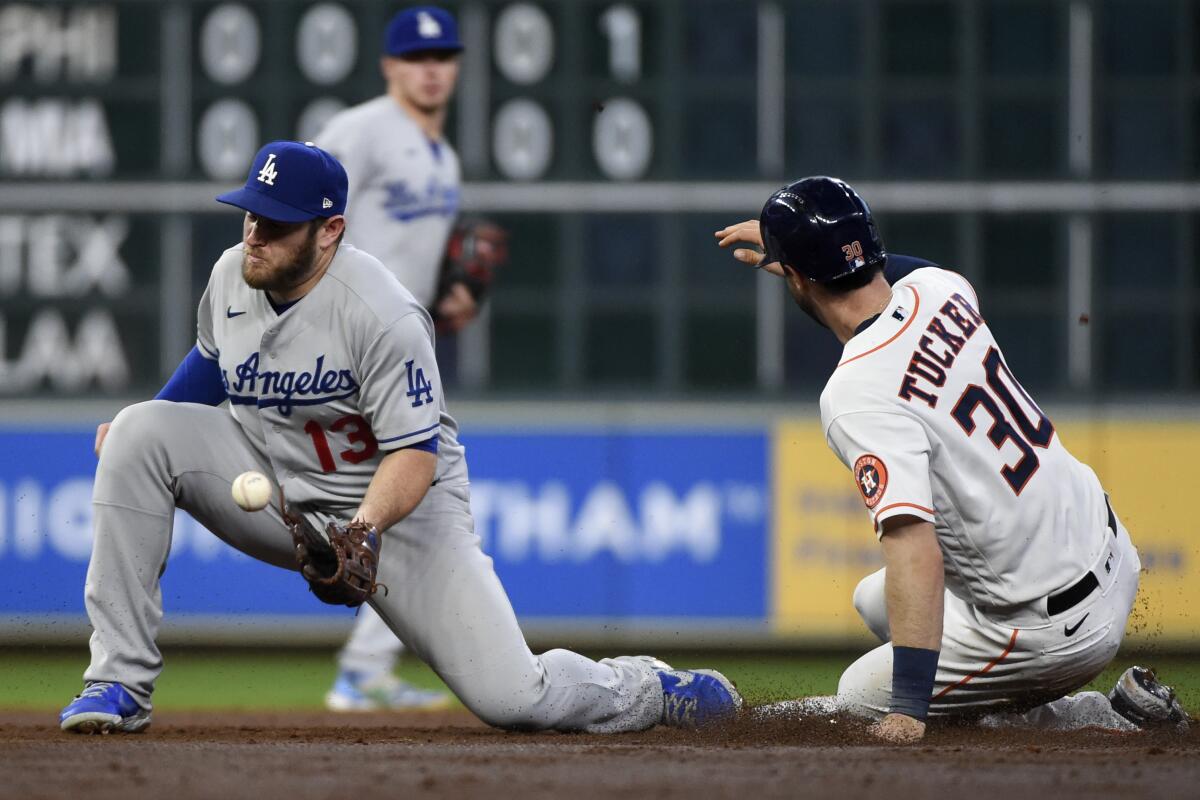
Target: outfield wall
[[747, 532]]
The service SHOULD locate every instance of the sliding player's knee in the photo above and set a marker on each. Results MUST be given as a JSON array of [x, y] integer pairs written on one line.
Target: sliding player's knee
[[865, 688], [871, 604]]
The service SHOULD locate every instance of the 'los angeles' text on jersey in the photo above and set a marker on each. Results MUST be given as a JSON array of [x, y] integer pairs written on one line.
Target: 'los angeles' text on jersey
[[284, 390]]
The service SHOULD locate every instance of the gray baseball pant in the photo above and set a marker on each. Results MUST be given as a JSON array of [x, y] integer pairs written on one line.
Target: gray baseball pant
[[444, 600]]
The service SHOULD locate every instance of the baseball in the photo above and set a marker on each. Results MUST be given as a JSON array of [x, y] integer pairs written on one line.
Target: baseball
[[251, 491]]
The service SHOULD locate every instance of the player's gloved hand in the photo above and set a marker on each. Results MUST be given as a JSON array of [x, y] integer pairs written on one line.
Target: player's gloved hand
[[899, 729], [456, 309], [747, 232], [339, 565], [476, 249]]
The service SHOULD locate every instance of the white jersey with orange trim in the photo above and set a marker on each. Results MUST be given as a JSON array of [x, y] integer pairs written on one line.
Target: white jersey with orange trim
[[926, 413]]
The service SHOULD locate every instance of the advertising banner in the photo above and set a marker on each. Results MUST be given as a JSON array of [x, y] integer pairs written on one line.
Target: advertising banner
[[1139, 464], [625, 524], [824, 544], [581, 525]]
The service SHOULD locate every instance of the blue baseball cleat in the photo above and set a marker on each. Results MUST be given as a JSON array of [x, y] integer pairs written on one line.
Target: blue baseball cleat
[[696, 698], [353, 691], [103, 708]]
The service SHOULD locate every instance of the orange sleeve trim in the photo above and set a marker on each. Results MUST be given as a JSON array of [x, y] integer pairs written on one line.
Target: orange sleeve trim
[[1011, 643], [928, 511], [897, 334]]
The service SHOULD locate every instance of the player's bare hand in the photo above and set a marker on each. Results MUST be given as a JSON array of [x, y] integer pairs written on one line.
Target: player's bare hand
[[746, 233], [456, 309], [899, 729], [101, 432]]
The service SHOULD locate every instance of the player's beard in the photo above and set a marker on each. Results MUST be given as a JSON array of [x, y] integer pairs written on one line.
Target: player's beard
[[296, 267]]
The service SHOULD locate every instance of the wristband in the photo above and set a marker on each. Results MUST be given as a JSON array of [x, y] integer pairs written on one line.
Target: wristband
[[913, 673]]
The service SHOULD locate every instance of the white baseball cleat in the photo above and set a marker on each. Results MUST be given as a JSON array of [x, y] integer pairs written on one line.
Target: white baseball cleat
[[1140, 698]]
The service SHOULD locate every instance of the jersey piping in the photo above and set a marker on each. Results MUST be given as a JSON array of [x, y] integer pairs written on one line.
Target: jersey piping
[[406, 435], [896, 335], [929, 511]]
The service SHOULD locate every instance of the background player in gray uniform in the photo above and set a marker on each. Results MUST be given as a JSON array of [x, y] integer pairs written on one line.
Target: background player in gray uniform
[[404, 193], [334, 391], [404, 175], [968, 487]]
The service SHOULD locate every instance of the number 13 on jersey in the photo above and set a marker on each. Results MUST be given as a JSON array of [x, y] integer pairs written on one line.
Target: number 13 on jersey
[[358, 433]]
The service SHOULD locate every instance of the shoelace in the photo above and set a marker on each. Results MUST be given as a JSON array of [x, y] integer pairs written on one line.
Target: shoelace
[[95, 689], [680, 711]]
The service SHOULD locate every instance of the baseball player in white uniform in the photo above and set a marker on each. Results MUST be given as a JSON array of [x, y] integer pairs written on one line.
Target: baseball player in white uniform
[[1008, 577], [328, 363], [404, 197]]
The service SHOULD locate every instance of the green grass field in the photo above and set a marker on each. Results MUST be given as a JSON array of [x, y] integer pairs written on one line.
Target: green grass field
[[297, 679]]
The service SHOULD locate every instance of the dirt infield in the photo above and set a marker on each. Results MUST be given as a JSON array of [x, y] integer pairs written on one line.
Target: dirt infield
[[317, 755]]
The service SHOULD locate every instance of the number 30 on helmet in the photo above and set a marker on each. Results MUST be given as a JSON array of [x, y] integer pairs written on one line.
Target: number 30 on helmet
[[820, 227]]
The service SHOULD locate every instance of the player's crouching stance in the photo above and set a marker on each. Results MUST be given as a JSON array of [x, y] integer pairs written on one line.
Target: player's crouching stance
[[1008, 577], [328, 364]]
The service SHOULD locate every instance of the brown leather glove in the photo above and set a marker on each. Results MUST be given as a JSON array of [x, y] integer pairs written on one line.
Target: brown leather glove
[[476, 249], [339, 565]]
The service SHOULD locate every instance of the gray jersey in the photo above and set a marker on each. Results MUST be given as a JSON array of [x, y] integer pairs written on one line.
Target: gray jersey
[[327, 388], [404, 190]]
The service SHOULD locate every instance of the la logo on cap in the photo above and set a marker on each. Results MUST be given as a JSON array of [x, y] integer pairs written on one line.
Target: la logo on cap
[[427, 26], [268, 173]]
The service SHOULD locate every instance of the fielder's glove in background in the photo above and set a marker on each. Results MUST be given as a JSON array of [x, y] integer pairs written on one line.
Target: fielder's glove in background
[[341, 564], [476, 249]]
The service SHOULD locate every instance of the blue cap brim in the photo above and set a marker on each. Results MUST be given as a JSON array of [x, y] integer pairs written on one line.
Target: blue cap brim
[[260, 205], [426, 47]]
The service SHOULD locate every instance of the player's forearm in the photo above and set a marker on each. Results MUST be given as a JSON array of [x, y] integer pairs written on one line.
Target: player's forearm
[[915, 585], [399, 485], [914, 590]]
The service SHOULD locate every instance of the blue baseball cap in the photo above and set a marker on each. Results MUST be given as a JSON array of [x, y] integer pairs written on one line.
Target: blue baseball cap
[[421, 28], [292, 182]]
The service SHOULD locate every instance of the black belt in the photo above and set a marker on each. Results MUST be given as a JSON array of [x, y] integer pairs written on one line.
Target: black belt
[[1073, 595]]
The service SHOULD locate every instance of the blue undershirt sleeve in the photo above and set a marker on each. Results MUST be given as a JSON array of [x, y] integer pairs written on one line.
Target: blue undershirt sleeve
[[196, 380], [899, 266], [429, 445]]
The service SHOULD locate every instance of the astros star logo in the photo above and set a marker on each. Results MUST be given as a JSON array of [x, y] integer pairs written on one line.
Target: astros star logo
[[871, 476]]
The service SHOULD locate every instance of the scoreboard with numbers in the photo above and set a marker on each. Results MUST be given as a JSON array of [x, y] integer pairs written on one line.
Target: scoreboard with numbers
[[189, 89], [134, 93], [120, 119], [78, 291]]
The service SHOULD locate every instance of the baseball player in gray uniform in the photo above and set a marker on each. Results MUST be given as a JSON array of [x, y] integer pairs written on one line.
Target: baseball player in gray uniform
[[404, 190], [328, 364], [1008, 578]]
